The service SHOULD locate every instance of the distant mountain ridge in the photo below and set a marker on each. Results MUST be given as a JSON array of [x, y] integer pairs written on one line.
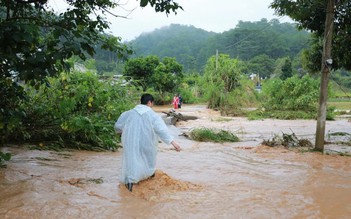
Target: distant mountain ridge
[[180, 41], [192, 46]]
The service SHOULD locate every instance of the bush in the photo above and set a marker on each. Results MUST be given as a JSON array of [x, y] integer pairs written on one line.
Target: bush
[[232, 103], [226, 87], [4, 157], [288, 114], [75, 110], [206, 134], [291, 94], [293, 98]]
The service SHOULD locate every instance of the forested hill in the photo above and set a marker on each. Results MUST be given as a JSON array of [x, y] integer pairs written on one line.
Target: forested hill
[[179, 41], [192, 46]]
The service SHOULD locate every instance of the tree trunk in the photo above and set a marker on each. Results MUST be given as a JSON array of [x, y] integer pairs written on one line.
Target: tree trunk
[[325, 70]]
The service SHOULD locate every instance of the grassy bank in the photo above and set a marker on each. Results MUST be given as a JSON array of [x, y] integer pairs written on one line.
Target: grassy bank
[[340, 104]]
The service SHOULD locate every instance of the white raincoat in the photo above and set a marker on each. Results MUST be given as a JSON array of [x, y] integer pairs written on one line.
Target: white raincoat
[[140, 129]]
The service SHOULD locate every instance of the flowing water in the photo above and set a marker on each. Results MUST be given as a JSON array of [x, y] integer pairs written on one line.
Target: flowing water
[[204, 180]]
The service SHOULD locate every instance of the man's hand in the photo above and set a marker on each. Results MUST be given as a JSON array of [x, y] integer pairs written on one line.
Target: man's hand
[[176, 146]]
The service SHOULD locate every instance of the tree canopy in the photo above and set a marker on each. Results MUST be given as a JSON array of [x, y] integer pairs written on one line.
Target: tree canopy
[[36, 42], [192, 47], [141, 69], [150, 72], [311, 15]]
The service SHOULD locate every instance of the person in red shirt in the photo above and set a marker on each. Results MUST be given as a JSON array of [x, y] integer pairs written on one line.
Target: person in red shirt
[[175, 101]]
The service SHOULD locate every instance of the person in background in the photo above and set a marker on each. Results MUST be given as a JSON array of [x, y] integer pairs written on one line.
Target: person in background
[[141, 129], [175, 101], [180, 101]]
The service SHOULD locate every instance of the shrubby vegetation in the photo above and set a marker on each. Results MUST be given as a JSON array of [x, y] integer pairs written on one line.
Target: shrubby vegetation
[[150, 71], [190, 89], [291, 94], [292, 98], [74, 110], [226, 88], [213, 135], [4, 157], [37, 43], [341, 83]]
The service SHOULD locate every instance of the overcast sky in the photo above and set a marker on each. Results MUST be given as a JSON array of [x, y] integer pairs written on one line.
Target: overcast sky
[[210, 15]]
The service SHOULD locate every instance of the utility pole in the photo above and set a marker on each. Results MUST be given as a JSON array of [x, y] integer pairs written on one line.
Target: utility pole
[[325, 70]]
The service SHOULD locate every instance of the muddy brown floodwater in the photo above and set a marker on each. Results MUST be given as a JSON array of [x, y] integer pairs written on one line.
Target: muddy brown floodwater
[[204, 180]]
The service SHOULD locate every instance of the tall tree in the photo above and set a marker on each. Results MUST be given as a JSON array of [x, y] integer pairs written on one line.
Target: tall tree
[[150, 72], [140, 70], [36, 42], [262, 65], [311, 15], [168, 75], [330, 21]]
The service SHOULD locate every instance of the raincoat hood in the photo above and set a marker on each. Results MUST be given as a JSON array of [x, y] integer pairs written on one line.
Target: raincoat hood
[[141, 109]]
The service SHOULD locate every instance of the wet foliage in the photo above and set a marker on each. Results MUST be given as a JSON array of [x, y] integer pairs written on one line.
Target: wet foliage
[[226, 86], [288, 114], [4, 157], [342, 138], [74, 110], [293, 98], [212, 135], [287, 140]]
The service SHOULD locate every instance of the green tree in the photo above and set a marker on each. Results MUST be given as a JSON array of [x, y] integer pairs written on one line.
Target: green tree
[[311, 15], [179, 41], [167, 76], [291, 94], [77, 110], [173, 66], [286, 69], [150, 72], [335, 15], [262, 65], [140, 70], [222, 83], [224, 72], [163, 80], [36, 42], [192, 47]]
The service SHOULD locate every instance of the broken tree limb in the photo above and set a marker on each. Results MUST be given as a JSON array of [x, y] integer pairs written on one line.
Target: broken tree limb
[[175, 117], [180, 116]]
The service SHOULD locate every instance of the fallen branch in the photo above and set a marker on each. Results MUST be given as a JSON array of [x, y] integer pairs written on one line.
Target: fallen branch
[[175, 117], [180, 116]]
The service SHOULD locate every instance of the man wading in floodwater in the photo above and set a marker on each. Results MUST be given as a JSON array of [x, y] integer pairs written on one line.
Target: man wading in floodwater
[[140, 128]]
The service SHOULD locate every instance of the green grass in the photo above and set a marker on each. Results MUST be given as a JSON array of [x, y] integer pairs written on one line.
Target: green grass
[[288, 114], [341, 104], [212, 135], [281, 114]]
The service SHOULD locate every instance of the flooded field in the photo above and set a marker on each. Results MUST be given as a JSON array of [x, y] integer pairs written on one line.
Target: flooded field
[[204, 180]]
